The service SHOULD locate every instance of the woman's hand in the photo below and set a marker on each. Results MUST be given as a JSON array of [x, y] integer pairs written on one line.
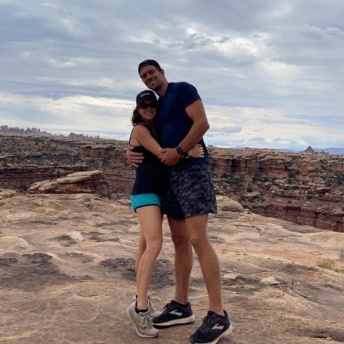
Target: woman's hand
[[196, 152]]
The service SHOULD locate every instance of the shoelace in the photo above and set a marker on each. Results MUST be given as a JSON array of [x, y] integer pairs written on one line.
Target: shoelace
[[146, 321], [207, 323], [168, 306]]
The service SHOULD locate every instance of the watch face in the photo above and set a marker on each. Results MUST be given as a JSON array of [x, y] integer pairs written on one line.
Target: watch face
[[180, 151]]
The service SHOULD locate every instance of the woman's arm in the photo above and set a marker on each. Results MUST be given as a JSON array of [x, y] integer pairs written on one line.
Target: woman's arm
[[142, 136]]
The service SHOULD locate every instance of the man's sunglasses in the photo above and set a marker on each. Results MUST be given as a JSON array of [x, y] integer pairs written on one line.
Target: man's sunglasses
[[145, 106]]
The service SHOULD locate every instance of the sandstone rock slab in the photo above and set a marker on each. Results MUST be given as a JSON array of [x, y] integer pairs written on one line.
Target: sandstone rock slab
[[74, 278]]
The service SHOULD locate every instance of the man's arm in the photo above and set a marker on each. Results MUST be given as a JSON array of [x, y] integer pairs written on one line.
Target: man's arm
[[200, 126]]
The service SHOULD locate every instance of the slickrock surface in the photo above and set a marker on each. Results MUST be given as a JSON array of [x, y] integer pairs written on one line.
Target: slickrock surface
[[67, 276]]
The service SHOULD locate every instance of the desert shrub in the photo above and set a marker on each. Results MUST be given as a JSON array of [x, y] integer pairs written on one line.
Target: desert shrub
[[339, 177], [106, 160], [292, 175], [330, 264], [249, 188], [259, 177], [242, 198], [309, 196], [327, 264]]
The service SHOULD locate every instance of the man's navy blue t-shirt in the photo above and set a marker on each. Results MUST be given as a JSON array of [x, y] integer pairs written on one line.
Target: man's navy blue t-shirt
[[172, 121]]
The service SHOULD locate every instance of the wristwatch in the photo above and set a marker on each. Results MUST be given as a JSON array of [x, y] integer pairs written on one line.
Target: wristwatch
[[181, 152]]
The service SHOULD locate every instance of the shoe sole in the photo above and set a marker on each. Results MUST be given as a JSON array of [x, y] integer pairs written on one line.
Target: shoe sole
[[224, 334], [138, 333], [181, 321]]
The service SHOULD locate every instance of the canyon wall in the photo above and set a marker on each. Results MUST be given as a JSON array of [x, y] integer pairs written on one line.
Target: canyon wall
[[305, 188]]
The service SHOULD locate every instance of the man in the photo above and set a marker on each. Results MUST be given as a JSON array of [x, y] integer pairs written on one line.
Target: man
[[181, 123]]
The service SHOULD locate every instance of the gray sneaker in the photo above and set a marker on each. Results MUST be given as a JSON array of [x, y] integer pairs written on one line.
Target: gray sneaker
[[153, 313], [151, 310], [142, 322]]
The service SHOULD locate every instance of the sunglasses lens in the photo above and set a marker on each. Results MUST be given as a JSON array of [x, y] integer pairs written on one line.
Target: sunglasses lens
[[145, 106]]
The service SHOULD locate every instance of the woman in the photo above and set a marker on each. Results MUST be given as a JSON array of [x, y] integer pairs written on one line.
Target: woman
[[149, 186]]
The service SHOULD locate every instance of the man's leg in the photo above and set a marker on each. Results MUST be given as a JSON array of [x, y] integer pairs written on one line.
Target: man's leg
[[182, 258], [216, 324], [178, 311], [197, 229]]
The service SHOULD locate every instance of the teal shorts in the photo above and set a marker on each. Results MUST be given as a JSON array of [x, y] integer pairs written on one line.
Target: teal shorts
[[144, 200]]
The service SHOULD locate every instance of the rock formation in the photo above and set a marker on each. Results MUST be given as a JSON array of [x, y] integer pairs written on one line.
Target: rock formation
[[79, 182], [304, 188], [309, 150], [298, 187], [67, 274]]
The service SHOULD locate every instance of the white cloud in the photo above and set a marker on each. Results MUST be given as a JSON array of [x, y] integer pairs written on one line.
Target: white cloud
[[74, 113]]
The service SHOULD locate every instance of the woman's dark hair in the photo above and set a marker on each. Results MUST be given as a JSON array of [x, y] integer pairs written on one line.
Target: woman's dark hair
[[136, 118]]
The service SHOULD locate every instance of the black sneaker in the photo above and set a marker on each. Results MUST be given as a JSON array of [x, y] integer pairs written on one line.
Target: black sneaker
[[213, 328], [174, 314]]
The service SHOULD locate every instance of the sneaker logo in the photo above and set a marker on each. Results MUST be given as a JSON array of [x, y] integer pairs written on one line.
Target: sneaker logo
[[175, 312], [218, 327], [138, 323]]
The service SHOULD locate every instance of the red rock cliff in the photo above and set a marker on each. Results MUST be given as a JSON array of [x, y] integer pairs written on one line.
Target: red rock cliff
[[305, 188]]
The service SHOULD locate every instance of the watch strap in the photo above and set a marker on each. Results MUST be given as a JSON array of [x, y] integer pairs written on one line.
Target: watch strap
[[181, 152]]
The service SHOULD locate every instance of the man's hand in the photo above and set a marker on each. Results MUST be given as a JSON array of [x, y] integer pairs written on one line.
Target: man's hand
[[133, 157], [171, 156]]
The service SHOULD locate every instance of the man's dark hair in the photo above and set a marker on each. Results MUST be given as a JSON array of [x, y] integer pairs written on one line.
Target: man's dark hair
[[148, 63]]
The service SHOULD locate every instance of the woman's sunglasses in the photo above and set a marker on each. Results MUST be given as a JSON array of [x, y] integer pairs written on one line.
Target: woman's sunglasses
[[145, 106]]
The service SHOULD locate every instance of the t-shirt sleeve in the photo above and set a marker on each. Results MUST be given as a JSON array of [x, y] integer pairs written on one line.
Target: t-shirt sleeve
[[187, 93]]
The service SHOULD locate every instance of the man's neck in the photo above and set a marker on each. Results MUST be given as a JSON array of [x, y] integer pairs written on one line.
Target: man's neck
[[162, 89]]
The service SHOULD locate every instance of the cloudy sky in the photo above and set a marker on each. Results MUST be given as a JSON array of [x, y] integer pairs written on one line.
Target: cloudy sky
[[270, 72]]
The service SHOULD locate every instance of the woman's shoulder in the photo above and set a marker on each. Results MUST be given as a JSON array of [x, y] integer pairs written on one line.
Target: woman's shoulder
[[139, 127], [139, 133]]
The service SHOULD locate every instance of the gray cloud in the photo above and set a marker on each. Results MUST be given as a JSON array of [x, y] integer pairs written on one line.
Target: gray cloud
[[278, 64]]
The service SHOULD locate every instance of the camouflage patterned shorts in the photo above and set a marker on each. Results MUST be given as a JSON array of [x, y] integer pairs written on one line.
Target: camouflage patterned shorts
[[190, 192]]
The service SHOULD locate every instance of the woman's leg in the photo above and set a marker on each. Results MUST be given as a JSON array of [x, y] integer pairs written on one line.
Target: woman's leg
[[151, 229], [140, 251]]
